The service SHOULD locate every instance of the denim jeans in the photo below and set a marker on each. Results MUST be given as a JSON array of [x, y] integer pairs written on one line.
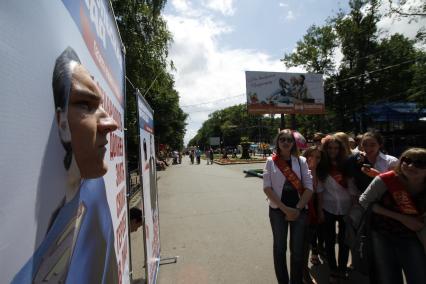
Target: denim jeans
[[297, 237], [394, 254], [330, 241]]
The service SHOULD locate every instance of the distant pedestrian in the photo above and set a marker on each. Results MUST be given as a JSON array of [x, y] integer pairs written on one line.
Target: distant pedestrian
[[198, 155], [191, 156], [211, 156], [207, 154]]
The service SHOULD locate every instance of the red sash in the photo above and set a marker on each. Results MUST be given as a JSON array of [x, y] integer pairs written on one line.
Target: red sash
[[338, 177], [295, 182], [401, 197]]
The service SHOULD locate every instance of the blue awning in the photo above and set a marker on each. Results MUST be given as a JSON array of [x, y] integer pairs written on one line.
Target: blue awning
[[398, 111]]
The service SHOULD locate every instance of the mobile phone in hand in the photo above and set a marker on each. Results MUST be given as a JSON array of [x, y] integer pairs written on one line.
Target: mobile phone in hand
[[366, 166]]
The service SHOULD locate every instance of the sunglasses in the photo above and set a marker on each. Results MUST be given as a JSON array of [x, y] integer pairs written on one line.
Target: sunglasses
[[286, 139], [416, 163]]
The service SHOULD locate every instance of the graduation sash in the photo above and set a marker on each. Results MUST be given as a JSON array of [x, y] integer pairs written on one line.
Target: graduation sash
[[338, 177], [295, 182], [397, 190]]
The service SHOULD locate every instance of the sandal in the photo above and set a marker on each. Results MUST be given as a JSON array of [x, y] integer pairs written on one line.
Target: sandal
[[315, 260]]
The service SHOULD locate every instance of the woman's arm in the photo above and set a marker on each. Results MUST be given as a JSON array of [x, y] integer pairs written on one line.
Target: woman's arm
[[307, 183], [373, 193], [304, 199], [411, 222]]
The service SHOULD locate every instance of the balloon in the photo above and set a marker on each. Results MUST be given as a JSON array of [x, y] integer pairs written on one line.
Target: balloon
[[300, 140]]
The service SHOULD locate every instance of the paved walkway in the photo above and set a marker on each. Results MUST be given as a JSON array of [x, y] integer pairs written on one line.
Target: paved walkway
[[215, 219]]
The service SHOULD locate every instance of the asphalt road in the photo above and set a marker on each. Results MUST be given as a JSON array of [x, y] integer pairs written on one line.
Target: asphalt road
[[215, 219]]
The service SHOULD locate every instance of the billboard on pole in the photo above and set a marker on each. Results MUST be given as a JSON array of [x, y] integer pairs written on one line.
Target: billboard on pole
[[148, 174], [214, 141], [278, 92], [62, 151]]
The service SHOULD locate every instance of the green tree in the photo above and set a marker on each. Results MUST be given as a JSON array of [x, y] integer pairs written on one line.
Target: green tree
[[232, 123], [146, 39], [315, 51]]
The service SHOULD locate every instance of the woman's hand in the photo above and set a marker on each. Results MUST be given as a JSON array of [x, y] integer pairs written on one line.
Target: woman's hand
[[413, 223], [371, 172], [292, 214]]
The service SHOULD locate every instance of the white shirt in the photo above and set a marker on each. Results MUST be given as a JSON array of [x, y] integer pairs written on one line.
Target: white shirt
[[274, 178], [385, 162], [337, 200]]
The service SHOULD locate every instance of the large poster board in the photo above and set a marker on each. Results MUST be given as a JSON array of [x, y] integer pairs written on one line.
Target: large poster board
[[278, 92], [62, 166], [149, 189]]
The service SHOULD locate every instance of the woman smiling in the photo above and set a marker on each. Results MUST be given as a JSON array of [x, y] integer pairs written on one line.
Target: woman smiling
[[398, 201], [287, 182]]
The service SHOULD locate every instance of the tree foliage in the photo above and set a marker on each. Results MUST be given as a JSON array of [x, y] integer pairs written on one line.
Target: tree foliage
[[233, 123], [372, 70], [146, 39]]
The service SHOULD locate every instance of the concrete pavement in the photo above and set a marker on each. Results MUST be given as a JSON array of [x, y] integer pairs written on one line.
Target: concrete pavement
[[215, 219]]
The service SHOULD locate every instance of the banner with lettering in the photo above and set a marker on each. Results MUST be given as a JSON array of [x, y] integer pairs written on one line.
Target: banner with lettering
[[149, 189], [62, 167]]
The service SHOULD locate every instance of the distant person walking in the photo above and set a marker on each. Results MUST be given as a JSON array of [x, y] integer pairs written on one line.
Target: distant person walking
[[191, 156], [211, 156], [198, 155]]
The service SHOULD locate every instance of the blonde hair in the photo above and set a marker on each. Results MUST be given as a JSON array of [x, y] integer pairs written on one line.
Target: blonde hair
[[344, 138]]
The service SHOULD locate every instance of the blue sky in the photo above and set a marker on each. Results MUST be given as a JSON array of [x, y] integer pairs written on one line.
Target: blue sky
[[215, 41]]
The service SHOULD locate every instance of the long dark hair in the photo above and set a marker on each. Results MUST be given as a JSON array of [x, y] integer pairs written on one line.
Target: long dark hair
[[308, 152], [325, 164], [376, 136]]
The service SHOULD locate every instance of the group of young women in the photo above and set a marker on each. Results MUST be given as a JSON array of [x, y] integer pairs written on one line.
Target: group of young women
[[313, 192]]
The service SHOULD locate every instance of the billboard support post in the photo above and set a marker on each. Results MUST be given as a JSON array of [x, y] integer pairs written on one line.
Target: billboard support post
[[282, 125], [293, 121]]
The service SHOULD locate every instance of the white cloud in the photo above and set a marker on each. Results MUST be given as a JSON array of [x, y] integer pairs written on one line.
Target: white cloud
[[181, 5], [208, 73], [226, 7], [290, 16], [284, 5], [407, 26]]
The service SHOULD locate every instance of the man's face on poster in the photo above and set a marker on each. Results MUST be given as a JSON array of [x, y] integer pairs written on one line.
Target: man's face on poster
[[89, 124]]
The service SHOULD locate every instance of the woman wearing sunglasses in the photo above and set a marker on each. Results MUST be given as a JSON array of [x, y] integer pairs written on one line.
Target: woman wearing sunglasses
[[287, 182], [398, 201]]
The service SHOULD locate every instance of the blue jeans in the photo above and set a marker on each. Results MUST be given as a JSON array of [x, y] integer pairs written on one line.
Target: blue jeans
[[393, 254], [297, 236]]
